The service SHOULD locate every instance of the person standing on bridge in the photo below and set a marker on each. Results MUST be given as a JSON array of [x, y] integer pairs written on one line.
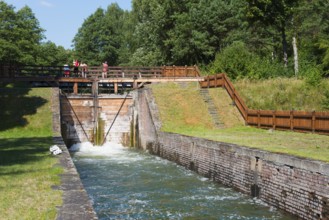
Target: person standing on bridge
[[84, 69], [105, 69], [66, 70], [76, 68]]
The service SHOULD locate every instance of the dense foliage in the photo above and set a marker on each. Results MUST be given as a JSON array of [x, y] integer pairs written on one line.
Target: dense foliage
[[21, 39], [245, 38], [254, 39]]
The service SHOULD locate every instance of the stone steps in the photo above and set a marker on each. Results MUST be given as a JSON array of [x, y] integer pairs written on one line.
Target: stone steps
[[212, 109]]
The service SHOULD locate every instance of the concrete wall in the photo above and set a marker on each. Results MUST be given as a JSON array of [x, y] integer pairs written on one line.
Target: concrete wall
[[298, 186], [145, 125]]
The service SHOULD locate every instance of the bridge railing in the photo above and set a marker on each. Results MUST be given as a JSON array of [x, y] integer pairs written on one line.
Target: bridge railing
[[19, 71], [180, 71], [126, 72]]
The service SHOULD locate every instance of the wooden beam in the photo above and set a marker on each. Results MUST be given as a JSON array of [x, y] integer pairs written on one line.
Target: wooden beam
[[116, 88], [75, 88]]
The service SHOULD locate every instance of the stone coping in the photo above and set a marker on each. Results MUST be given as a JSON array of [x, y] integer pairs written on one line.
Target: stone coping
[[282, 159]]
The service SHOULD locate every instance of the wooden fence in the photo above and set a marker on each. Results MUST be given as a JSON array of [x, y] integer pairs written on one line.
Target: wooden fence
[[316, 122]]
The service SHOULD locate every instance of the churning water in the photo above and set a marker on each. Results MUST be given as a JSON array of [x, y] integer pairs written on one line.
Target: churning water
[[129, 184]]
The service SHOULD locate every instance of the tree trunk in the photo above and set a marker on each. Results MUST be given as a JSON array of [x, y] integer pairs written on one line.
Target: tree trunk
[[294, 45], [284, 45]]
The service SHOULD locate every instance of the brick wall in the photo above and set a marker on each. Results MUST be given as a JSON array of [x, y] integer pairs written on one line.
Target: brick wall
[[284, 183], [298, 186]]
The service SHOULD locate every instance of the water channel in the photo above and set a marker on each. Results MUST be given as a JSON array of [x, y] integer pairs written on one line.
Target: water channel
[[125, 183]]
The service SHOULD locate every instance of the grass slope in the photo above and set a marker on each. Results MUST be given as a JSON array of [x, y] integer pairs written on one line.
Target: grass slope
[[284, 94], [183, 111], [27, 170]]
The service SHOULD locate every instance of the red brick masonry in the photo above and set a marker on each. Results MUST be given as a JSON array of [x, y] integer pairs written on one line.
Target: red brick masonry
[[296, 185]]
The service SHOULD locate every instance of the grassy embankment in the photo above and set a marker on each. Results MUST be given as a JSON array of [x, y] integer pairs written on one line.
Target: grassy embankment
[[183, 111], [284, 94], [27, 170]]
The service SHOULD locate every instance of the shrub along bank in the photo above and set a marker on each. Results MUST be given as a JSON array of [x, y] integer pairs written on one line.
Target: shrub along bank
[[27, 170]]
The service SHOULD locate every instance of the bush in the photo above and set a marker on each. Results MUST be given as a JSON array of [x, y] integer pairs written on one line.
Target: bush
[[313, 77], [233, 60], [325, 102], [238, 62]]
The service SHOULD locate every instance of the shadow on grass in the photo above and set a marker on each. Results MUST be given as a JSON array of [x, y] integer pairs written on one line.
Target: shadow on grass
[[15, 105], [23, 150]]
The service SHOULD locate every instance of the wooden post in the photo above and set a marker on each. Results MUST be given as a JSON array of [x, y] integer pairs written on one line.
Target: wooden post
[[247, 117], [208, 82], [115, 88], [292, 120], [135, 85], [186, 70], [174, 68], [274, 120], [258, 118], [216, 81], [95, 88], [75, 88], [234, 96], [313, 121]]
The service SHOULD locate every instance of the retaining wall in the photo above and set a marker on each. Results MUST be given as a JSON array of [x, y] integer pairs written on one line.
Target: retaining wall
[[298, 186]]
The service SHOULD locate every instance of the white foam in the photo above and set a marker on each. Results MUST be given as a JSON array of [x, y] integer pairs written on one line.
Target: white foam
[[203, 179], [87, 148]]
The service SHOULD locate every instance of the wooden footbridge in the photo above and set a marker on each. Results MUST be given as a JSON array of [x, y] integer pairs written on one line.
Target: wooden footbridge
[[117, 78]]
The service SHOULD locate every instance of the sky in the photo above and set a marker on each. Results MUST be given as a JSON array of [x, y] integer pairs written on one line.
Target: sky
[[61, 19]]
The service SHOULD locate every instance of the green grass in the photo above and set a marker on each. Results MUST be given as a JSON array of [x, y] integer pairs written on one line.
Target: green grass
[[27, 170], [283, 94], [183, 111]]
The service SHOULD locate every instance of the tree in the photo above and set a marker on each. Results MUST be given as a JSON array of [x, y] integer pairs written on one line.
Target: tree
[[20, 35], [52, 55], [9, 51], [88, 41], [101, 36], [28, 35], [189, 33], [276, 13]]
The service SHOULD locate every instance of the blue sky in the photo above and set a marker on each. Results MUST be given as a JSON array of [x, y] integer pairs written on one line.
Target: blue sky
[[62, 18]]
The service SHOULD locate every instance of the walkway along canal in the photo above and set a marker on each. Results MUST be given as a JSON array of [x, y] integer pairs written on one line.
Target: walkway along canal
[[297, 186]]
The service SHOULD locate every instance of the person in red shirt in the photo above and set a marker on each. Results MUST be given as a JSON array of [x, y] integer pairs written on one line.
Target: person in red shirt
[[76, 65]]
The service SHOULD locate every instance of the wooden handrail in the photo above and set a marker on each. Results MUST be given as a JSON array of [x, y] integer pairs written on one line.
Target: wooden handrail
[[316, 122], [221, 80], [15, 71]]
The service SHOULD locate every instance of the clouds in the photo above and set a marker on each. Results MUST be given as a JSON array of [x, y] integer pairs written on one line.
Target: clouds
[[47, 4]]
